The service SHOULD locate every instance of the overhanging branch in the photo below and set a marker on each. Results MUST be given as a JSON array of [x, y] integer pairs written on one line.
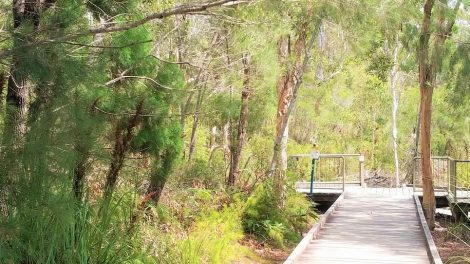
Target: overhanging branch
[[177, 10]]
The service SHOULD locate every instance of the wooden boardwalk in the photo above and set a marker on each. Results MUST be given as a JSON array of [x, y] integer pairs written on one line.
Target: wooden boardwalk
[[371, 225]]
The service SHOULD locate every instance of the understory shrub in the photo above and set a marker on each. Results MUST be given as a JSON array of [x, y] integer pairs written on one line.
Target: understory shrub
[[202, 174], [278, 226], [61, 230], [212, 239]]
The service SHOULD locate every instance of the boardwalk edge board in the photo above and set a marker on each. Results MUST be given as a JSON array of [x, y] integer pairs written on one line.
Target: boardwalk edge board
[[313, 232], [431, 246]]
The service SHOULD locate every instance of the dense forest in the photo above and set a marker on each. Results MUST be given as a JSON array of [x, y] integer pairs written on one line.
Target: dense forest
[[159, 131]]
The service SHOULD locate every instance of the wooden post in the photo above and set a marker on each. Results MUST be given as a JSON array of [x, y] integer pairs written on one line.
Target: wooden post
[[414, 174], [344, 173], [448, 175], [361, 170]]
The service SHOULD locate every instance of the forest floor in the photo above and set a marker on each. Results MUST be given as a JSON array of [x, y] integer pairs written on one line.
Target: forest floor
[[451, 249], [268, 254]]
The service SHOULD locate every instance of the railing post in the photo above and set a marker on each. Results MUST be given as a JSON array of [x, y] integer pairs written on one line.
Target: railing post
[[312, 177], [344, 173], [449, 161], [315, 155], [361, 169], [453, 179], [414, 174]]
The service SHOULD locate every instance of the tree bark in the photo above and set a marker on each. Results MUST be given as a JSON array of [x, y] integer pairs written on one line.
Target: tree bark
[[425, 82], [121, 145], [16, 108], [283, 116], [17, 93], [395, 100], [79, 172], [2, 85], [242, 123], [287, 87], [429, 202], [192, 141], [428, 68]]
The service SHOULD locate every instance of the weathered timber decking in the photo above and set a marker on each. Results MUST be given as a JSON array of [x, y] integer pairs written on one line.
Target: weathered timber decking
[[322, 188], [371, 225]]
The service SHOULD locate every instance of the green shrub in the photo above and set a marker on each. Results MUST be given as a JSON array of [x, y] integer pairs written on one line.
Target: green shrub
[[201, 173], [278, 226], [213, 239]]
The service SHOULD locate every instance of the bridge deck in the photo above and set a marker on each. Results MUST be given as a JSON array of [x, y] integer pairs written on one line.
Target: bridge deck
[[321, 188], [372, 225]]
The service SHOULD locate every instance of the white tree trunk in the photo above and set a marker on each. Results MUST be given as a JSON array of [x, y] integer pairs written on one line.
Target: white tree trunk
[[284, 140], [395, 99]]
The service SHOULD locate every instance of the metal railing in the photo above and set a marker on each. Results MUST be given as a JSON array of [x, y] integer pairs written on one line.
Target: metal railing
[[449, 175], [333, 171]]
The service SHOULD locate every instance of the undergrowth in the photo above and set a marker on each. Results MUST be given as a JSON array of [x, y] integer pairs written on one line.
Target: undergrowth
[[279, 226]]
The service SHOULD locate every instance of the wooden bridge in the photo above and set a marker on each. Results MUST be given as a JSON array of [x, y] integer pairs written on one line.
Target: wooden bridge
[[373, 225]]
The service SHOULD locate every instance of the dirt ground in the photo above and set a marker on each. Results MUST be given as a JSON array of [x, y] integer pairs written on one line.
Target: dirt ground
[[267, 254], [453, 246]]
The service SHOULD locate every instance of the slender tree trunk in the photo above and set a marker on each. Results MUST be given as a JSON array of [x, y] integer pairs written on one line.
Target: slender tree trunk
[[393, 86], [18, 91], [192, 141], [79, 172], [2, 86], [157, 180], [242, 123], [201, 76], [121, 145], [17, 108]]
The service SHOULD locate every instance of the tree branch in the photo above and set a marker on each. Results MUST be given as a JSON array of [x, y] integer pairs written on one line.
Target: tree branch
[[178, 10]]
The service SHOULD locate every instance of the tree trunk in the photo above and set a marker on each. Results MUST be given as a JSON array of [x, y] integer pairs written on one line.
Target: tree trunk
[[429, 202], [121, 145], [2, 85], [192, 141], [287, 97], [393, 86], [79, 174], [283, 157], [17, 93], [242, 123], [17, 108], [426, 90], [428, 68], [285, 86], [201, 76]]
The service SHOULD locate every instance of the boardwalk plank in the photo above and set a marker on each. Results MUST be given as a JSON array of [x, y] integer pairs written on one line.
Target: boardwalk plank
[[370, 226]]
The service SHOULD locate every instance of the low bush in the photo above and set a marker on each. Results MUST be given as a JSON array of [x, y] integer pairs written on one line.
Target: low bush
[[279, 226], [213, 238]]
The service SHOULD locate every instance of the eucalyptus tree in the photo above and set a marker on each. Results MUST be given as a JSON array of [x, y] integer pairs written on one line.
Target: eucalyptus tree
[[295, 54], [430, 60]]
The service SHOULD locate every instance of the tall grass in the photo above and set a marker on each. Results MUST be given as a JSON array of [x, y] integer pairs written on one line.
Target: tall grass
[[48, 226]]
